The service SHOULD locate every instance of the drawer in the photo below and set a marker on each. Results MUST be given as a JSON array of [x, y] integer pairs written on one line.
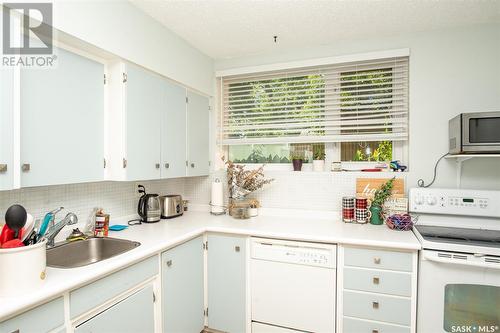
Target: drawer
[[96, 293], [391, 309], [380, 259], [352, 325], [43, 318], [377, 281]]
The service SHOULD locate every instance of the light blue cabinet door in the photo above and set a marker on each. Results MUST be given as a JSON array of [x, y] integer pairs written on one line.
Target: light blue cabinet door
[[173, 132], [62, 121], [134, 314], [145, 102], [198, 134], [6, 128], [227, 283], [182, 284], [43, 318]]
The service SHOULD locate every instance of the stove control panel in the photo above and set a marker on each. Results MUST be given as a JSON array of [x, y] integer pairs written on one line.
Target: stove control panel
[[455, 202]]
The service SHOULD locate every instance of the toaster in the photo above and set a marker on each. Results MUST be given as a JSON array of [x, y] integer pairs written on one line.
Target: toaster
[[171, 206]]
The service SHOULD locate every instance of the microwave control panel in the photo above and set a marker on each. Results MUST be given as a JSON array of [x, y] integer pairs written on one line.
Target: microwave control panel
[[455, 202]]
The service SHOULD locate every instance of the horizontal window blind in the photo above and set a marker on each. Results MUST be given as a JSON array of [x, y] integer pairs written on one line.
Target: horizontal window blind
[[361, 101]]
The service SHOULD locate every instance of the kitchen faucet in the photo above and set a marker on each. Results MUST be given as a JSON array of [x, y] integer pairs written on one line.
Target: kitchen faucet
[[69, 219]]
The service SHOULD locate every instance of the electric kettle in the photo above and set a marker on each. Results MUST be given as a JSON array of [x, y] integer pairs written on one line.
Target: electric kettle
[[149, 206]]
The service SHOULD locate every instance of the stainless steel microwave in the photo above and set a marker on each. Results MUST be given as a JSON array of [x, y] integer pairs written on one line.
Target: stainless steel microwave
[[474, 133]]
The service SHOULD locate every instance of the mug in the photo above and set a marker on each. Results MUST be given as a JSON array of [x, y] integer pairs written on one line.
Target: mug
[[348, 215], [363, 215], [348, 202], [362, 203]]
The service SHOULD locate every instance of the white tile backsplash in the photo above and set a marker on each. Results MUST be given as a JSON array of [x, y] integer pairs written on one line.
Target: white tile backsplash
[[295, 190]]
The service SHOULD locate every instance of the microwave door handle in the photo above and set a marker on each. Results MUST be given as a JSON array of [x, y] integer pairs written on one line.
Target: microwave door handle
[[460, 262]]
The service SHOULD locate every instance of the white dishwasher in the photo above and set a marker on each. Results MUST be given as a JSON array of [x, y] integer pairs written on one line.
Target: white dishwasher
[[292, 286]]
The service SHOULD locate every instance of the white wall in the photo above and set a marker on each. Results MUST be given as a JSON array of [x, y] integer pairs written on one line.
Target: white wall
[[451, 71], [122, 29]]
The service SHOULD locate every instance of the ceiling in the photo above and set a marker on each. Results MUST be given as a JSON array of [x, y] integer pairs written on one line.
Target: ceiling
[[225, 29]]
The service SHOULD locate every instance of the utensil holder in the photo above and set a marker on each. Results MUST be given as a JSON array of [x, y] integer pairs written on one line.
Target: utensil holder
[[23, 269]]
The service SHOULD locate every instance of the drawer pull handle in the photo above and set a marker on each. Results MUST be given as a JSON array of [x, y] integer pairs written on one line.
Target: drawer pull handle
[[237, 248], [375, 305], [169, 263], [3, 168], [374, 331], [376, 280], [376, 261]]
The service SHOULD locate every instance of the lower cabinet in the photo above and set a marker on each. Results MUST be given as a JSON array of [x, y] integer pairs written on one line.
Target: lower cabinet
[[227, 283], [183, 288], [378, 289], [133, 314], [43, 318]]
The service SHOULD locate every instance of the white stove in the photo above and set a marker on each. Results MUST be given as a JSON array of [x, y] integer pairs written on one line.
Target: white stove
[[459, 266]]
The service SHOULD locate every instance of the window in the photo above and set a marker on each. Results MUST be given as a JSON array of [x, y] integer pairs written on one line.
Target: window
[[354, 112]]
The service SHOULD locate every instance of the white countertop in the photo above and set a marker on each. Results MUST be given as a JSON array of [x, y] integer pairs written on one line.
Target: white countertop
[[157, 237]]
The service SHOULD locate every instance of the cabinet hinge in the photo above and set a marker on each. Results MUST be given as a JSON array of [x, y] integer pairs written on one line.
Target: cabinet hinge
[[154, 297], [205, 312], [186, 163], [104, 78], [209, 163], [187, 99], [205, 245], [124, 77], [104, 163], [209, 108]]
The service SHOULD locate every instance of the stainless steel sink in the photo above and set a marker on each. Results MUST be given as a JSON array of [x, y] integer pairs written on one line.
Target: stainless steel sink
[[86, 252]]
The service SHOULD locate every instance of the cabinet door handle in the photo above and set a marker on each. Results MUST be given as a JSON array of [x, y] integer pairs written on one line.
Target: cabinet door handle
[[169, 263], [157, 165], [192, 165], [3, 168], [124, 163], [26, 167], [375, 305], [237, 248], [167, 165], [374, 331], [376, 261], [376, 280]]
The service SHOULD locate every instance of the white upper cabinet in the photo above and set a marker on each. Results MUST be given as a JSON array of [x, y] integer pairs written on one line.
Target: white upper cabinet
[[6, 128], [198, 134], [62, 117], [154, 128], [173, 132], [145, 102]]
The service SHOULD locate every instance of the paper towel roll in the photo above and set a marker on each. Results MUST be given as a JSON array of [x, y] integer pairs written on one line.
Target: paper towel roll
[[217, 199]]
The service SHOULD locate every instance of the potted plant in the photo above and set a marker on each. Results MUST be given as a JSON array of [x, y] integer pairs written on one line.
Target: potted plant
[[319, 158], [297, 161], [381, 195], [254, 207]]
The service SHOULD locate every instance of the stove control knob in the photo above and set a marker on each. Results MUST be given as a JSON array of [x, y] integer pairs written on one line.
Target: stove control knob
[[431, 201]]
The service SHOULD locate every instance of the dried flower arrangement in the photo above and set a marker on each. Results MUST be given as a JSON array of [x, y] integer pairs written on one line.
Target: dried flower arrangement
[[242, 182]]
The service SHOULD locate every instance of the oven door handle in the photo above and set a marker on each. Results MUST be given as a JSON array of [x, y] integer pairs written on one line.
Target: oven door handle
[[460, 262]]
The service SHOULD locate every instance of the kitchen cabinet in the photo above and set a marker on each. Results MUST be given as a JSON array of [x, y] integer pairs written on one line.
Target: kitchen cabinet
[[173, 132], [183, 288], [377, 291], [198, 124], [133, 314], [62, 119], [6, 128], [43, 318], [137, 101], [226, 271], [155, 128]]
